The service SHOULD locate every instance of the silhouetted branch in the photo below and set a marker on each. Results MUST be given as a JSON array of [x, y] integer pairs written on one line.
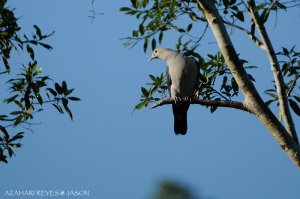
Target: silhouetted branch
[[206, 102], [252, 36], [291, 88], [275, 67]]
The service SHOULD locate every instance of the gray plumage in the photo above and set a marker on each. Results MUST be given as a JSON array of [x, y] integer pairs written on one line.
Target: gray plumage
[[182, 74]]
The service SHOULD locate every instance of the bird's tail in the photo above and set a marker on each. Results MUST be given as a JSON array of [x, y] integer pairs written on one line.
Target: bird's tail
[[180, 117]]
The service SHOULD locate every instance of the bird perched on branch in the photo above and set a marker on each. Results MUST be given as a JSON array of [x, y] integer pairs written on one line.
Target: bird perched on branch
[[182, 75]]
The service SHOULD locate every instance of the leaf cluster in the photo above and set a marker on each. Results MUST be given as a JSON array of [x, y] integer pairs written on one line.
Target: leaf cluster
[[215, 80], [28, 90], [290, 68], [157, 17]]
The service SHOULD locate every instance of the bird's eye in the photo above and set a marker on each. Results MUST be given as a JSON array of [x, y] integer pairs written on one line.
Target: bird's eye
[[155, 51]]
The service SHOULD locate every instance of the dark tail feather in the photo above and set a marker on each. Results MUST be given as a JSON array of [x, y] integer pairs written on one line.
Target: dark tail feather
[[180, 117]]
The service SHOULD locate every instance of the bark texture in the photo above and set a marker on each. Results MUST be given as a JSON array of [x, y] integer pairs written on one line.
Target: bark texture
[[252, 100], [205, 102], [278, 77]]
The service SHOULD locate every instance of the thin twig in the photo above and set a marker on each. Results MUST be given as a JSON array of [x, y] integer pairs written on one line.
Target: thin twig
[[291, 88], [252, 36], [93, 12]]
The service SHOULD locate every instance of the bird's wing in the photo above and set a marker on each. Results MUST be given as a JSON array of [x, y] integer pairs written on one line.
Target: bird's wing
[[196, 65], [183, 72], [169, 81]]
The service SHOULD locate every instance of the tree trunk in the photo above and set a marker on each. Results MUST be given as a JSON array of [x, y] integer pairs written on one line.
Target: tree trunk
[[252, 100]]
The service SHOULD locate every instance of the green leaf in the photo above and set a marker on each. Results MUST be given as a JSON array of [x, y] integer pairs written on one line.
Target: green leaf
[[53, 92], [58, 89], [38, 31], [297, 98], [64, 87], [47, 46], [4, 131], [135, 33], [144, 3], [10, 151], [152, 78], [65, 105], [7, 66], [190, 26], [239, 15], [145, 92], [15, 112], [18, 120], [19, 104], [3, 159], [135, 3], [259, 7], [277, 3], [294, 106], [226, 3], [37, 94], [251, 77], [141, 105], [30, 52], [180, 30], [58, 108], [15, 145], [125, 9], [2, 117], [74, 98], [250, 67], [16, 137], [132, 12], [272, 95], [68, 92], [11, 99], [234, 85], [213, 109], [232, 2], [264, 15], [153, 44], [141, 29], [285, 51], [160, 37], [269, 102], [193, 16], [146, 44]]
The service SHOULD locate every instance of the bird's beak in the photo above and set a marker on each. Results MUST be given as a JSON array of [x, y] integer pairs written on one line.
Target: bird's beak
[[151, 58]]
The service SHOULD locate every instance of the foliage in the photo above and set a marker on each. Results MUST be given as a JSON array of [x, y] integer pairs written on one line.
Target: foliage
[[29, 90], [291, 70], [215, 82], [173, 190]]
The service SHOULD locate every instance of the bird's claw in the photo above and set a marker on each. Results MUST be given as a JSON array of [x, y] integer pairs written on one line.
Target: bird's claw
[[179, 99], [187, 98]]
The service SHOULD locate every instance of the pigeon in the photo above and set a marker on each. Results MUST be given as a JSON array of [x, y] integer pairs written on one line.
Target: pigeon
[[182, 73]]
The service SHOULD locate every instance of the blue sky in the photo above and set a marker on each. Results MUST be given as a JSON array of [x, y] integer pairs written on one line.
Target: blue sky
[[116, 154]]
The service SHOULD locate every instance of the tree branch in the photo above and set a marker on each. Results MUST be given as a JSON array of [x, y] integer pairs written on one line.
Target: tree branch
[[206, 102], [253, 100], [278, 77], [252, 36], [291, 88]]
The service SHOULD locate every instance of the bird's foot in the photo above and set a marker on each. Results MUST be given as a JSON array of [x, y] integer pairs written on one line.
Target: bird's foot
[[187, 99], [184, 99], [177, 99]]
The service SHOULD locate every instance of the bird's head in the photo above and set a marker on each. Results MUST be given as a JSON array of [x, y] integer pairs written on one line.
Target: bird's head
[[161, 53]]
